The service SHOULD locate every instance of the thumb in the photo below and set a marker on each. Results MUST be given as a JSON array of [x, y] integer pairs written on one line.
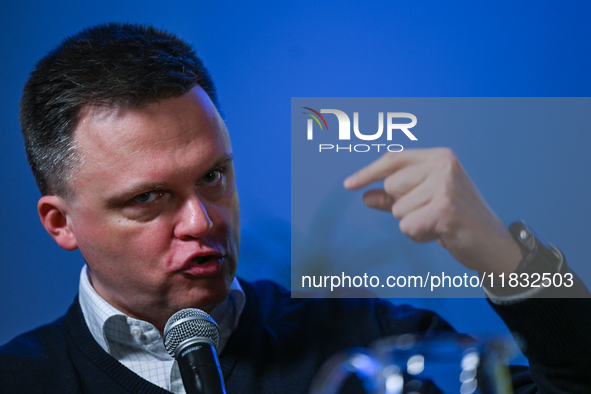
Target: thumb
[[378, 199]]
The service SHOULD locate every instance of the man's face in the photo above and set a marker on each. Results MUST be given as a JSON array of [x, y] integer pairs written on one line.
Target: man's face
[[155, 210]]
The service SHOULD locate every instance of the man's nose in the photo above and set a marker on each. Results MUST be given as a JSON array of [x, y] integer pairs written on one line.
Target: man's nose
[[192, 220]]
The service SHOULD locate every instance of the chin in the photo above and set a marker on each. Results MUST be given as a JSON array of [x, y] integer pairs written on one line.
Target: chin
[[207, 299]]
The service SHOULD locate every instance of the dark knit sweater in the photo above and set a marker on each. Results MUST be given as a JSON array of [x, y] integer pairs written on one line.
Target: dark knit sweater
[[281, 342]]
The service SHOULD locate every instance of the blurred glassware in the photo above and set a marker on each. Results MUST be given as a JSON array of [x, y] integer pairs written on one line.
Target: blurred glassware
[[409, 364]]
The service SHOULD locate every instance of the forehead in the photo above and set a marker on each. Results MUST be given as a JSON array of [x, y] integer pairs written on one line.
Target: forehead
[[167, 124], [150, 144]]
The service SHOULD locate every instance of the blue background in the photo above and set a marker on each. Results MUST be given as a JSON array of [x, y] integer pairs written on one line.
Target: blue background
[[263, 53]]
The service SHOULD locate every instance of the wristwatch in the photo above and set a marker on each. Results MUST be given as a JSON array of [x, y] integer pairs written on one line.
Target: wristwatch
[[539, 256]]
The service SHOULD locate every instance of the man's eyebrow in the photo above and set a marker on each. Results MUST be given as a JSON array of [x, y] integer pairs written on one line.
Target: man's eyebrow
[[224, 160], [134, 190]]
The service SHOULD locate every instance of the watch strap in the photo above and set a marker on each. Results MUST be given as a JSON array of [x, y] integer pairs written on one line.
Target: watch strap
[[539, 256]]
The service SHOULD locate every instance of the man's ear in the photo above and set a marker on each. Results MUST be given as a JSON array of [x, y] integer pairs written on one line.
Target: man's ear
[[53, 214]]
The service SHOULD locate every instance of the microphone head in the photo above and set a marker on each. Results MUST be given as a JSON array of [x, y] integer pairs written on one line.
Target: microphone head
[[188, 324]]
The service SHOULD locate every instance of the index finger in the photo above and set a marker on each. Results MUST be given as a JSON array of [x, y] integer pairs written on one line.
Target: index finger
[[387, 164]]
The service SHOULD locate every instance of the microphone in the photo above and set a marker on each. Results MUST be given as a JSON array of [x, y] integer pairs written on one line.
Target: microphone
[[191, 336]]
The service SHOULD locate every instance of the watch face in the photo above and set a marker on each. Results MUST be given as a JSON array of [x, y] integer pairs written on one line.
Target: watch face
[[540, 257], [523, 235]]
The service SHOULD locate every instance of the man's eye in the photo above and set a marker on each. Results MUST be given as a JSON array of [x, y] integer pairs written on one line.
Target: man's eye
[[212, 177], [145, 198]]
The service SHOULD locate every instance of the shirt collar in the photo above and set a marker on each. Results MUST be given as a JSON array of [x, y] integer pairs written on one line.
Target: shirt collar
[[109, 325]]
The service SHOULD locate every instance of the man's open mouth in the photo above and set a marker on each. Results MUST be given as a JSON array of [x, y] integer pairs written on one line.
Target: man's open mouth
[[205, 259]]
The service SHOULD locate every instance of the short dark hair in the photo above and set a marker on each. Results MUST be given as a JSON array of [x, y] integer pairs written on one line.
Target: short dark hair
[[112, 65]]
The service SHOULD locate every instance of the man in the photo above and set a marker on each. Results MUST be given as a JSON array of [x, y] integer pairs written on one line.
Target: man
[[135, 167]]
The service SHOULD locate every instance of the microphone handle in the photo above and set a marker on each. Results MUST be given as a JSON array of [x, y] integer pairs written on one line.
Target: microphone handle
[[200, 369]]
